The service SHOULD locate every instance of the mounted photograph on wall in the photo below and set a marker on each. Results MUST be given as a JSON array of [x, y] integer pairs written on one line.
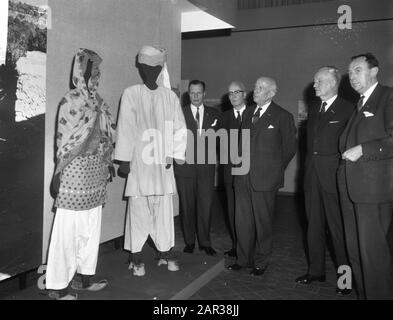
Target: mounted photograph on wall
[[22, 126]]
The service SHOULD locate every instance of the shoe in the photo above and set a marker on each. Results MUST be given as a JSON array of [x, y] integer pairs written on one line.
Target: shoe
[[343, 292], [70, 296], [307, 279], [231, 253], [96, 286], [209, 250], [54, 295], [173, 265], [234, 267], [257, 271], [139, 269], [189, 248]]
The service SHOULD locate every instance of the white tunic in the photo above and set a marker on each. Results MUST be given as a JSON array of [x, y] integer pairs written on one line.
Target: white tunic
[[151, 127]]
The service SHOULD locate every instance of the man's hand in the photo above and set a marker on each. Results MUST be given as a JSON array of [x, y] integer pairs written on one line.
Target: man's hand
[[169, 162], [124, 169], [353, 154]]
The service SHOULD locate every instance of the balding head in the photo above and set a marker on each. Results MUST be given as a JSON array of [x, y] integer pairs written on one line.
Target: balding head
[[326, 82], [264, 91]]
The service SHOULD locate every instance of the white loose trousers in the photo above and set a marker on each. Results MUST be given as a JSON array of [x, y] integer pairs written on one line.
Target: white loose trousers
[[150, 215], [74, 246]]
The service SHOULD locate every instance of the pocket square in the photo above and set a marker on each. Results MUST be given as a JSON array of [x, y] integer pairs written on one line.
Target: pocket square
[[368, 114], [334, 121], [271, 127], [214, 123]]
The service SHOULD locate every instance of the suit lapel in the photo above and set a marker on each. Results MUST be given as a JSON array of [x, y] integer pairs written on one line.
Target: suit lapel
[[370, 106], [263, 119], [372, 102], [189, 117], [206, 119], [329, 114]]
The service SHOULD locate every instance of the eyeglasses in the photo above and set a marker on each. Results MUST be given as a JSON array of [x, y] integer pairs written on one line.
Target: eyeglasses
[[235, 93]]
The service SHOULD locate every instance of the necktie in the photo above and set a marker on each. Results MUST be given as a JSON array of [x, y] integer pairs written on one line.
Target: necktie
[[322, 111], [360, 102], [323, 107], [197, 118], [239, 118], [256, 115]]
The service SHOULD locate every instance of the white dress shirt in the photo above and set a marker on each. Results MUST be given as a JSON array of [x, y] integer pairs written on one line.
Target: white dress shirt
[[241, 110], [264, 108], [201, 113], [368, 93], [329, 102]]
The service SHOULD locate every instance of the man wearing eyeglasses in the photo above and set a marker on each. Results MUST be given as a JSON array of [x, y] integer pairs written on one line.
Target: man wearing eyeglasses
[[231, 122], [272, 146]]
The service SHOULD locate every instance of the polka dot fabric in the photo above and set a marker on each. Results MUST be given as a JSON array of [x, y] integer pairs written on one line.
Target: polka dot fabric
[[83, 184]]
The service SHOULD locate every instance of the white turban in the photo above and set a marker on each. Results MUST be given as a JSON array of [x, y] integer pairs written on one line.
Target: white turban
[[152, 56], [156, 56]]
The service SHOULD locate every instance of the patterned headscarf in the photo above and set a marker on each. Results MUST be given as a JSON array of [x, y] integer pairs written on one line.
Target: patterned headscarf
[[79, 110]]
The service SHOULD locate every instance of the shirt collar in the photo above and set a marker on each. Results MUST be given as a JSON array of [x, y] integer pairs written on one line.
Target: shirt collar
[[241, 110], [329, 102], [369, 92], [201, 107], [264, 107]]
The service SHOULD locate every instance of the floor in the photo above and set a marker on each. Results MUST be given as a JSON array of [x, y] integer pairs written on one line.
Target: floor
[[205, 278], [288, 262]]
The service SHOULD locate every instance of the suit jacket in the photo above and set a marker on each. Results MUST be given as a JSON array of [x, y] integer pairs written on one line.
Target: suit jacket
[[229, 123], [370, 179], [323, 133], [211, 120], [272, 146]]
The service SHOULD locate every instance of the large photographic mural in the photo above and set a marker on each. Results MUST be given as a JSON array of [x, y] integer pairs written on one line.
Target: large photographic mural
[[22, 125]]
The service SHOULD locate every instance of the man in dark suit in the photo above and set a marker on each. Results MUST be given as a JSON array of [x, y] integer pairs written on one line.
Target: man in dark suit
[[195, 178], [366, 180], [272, 146], [326, 121], [231, 120]]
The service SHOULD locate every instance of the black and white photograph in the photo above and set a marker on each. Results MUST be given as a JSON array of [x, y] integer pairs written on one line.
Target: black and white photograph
[[196, 155]]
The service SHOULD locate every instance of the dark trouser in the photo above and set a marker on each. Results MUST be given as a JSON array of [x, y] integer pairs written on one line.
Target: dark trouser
[[195, 198], [366, 227], [230, 196], [254, 224], [323, 209]]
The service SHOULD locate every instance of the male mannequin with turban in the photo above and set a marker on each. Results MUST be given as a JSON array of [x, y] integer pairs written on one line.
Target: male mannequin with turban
[[151, 133]]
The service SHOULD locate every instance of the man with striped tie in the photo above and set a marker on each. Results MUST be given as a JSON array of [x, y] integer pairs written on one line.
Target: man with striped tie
[[272, 146]]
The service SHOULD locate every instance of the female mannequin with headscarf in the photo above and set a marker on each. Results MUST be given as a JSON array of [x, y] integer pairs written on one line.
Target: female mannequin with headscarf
[[151, 132], [85, 137]]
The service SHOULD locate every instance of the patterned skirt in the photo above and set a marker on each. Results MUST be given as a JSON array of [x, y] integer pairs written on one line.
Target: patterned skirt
[[83, 184]]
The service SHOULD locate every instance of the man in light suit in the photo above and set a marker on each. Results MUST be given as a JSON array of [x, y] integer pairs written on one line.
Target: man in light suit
[[326, 121], [195, 177], [232, 120], [272, 146], [366, 180]]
